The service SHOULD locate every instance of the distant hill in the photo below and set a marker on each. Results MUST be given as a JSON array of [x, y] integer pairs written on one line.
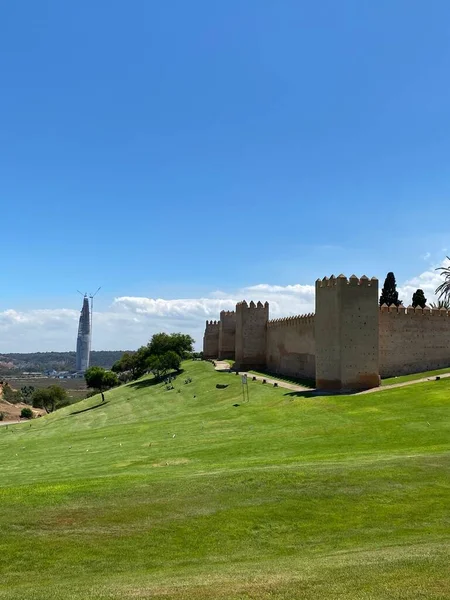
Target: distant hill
[[59, 361]]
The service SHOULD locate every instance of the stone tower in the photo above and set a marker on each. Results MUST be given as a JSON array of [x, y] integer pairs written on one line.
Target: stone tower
[[346, 332], [227, 334], [251, 335], [211, 340]]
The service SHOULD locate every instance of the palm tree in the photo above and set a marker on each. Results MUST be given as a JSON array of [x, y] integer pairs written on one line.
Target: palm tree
[[441, 304], [443, 290]]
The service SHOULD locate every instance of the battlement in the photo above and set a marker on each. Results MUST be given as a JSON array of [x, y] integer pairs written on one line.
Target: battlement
[[227, 313], [410, 311], [346, 344], [227, 334], [211, 339], [212, 324], [294, 321], [413, 339], [251, 335], [341, 280], [240, 306], [346, 332]]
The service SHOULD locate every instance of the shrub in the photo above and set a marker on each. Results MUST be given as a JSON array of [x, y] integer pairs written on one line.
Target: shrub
[[125, 377], [2, 416], [26, 413], [27, 392], [10, 395]]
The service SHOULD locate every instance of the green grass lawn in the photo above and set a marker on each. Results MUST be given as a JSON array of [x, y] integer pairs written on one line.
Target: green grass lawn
[[181, 495], [414, 376]]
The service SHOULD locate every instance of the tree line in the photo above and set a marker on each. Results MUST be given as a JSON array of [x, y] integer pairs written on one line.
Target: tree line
[[161, 355], [55, 361], [389, 293]]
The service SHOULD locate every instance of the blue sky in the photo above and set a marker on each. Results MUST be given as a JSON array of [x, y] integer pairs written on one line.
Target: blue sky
[[171, 150]]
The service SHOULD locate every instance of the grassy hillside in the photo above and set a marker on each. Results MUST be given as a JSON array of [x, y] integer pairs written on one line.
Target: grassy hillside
[[180, 494]]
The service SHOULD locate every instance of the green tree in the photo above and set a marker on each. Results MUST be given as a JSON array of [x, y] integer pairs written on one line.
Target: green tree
[[171, 361], [180, 343], [155, 365], [441, 304], [99, 379], [50, 398], [158, 356], [10, 395], [134, 364], [419, 299], [443, 290], [389, 294], [27, 392], [162, 364]]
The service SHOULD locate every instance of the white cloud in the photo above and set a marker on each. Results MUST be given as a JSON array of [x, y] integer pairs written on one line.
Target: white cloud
[[428, 281], [130, 321]]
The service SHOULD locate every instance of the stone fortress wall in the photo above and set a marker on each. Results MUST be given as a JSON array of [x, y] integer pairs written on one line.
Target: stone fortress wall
[[413, 340], [291, 347], [349, 343], [227, 334], [211, 339], [251, 335], [346, 331]]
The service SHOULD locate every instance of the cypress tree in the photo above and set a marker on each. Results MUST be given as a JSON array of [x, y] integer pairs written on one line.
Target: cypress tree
[[419, 299], [389, 294]]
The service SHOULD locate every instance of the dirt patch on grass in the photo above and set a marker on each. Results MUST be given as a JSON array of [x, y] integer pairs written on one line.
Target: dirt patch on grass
[[11, 412], [171, 463]]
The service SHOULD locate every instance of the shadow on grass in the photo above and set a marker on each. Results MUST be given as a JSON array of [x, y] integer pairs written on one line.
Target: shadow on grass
[[77, 412], [144, 383], [309, 383], [307, 394], [315, 393]]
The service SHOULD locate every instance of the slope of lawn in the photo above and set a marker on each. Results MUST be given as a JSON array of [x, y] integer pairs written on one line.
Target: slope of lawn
[[415, 376], [179, 494]]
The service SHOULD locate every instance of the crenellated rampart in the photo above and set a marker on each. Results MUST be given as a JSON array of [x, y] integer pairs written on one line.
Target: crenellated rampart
[[413, 340], [211, 339], [251, 335], [347, 344], [227, 334], [346, 332], [294, 321], [291, 346]]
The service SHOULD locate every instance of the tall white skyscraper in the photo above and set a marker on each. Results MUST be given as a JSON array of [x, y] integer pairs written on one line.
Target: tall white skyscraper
[[84, 337]]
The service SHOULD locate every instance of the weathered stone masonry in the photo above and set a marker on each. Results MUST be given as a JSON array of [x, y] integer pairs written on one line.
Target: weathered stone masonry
[[346, 333], [227, 334], [211, 340], [251, 335], [291, 347], [413, 340], [348, 344]]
